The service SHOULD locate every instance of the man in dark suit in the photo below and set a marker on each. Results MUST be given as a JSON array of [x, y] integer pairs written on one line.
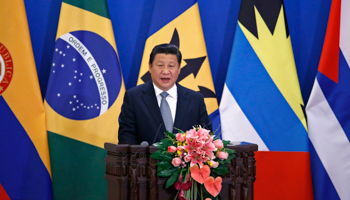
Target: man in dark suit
[[147, 111]]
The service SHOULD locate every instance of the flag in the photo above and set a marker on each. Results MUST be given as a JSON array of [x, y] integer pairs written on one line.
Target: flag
[[179, 23], [25, 164], [328, 110], [83, 99], [262, 103]]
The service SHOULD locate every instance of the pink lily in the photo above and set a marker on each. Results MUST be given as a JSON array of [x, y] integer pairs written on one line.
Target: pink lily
[[197, 158], [192, 145], [203, 133]]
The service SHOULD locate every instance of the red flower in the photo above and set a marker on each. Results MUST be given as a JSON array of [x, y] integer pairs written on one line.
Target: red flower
[[182, 195], [178, 184], [183, 186], [187, 184], [171, 149]]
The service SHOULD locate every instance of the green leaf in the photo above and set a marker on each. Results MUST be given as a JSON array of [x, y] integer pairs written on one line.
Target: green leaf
[[177, 194], [230, 151], [157, 154], [164, 165], [167, 172], [167, 142], [221, 169], [195, 190], [161, 168], [173, 178], [230, 156], [205, 192], [191, 190], [226, 142], [161, 146], [167, 157], [170, 135], [163, 155]]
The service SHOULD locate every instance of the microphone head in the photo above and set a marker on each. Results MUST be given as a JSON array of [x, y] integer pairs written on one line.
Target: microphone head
[[144, 143]]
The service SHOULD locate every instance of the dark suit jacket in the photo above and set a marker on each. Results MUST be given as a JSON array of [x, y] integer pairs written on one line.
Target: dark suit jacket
[[140, 118]]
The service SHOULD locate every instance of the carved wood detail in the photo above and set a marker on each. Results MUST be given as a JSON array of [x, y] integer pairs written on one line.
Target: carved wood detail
[[131, 173]]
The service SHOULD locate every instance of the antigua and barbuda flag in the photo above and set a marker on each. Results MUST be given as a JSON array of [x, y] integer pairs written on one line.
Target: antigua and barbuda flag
[[262, 103], [25, 171], [328, 110], [83, 99], [179, 23]]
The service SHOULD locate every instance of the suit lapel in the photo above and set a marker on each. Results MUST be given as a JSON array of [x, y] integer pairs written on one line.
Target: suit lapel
[[150, 100], [181, 107]]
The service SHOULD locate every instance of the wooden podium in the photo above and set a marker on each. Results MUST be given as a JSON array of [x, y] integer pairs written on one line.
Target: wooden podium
[[132, 174]]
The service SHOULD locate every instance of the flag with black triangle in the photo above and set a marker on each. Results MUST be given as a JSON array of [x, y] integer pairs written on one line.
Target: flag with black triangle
[[179, 23], [262, 102]]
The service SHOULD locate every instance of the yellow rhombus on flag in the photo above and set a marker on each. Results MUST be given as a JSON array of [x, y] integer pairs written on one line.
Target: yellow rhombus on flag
[[83, 99]]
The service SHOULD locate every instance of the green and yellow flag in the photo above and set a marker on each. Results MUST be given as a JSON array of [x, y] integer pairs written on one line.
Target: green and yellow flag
[[83, 99], [179, 23]]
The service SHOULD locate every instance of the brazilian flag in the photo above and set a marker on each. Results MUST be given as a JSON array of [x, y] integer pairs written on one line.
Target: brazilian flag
[[83, 99], [179, 23]]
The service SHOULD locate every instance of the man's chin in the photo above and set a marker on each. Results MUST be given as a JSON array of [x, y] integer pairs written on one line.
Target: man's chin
[[166, 86]]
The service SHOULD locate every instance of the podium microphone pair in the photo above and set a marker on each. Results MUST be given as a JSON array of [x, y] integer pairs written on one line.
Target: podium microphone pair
[[145, 143]]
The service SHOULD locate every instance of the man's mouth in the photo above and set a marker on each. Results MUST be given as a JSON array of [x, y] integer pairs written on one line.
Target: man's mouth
[[165, 79]]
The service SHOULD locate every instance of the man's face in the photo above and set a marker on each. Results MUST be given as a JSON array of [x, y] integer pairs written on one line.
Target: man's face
[[164, 70]]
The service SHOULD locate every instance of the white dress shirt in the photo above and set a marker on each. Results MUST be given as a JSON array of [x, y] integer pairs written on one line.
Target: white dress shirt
[[171, 98]]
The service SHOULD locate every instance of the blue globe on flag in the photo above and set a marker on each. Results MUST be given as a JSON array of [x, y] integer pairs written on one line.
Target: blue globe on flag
[[85, 77]]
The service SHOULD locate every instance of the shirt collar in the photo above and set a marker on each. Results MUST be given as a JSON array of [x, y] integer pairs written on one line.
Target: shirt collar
[[172, 91]]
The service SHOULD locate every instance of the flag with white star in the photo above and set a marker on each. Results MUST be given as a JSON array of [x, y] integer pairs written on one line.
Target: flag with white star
[[83, 99], [327, 110], [84, 81]]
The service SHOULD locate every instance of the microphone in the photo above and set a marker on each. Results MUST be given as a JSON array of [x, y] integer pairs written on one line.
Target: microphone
[[157, 132], [144, 143], [203, 125]]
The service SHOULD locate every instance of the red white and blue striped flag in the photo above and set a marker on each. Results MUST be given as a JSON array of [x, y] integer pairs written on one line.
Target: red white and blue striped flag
[[328, 109]]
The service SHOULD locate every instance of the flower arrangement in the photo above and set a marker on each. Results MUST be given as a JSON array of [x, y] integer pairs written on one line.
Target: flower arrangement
[[194, 161]]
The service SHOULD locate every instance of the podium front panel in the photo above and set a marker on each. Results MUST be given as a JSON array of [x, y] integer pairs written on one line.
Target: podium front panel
[[131, 173]]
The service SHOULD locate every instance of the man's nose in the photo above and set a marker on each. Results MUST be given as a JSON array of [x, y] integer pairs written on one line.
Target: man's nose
[[166, 70]]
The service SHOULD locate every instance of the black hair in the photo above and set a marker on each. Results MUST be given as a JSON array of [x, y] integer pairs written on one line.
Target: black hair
[[167, 49]]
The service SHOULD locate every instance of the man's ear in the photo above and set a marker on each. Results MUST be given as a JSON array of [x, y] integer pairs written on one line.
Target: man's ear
[[149, 67]]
